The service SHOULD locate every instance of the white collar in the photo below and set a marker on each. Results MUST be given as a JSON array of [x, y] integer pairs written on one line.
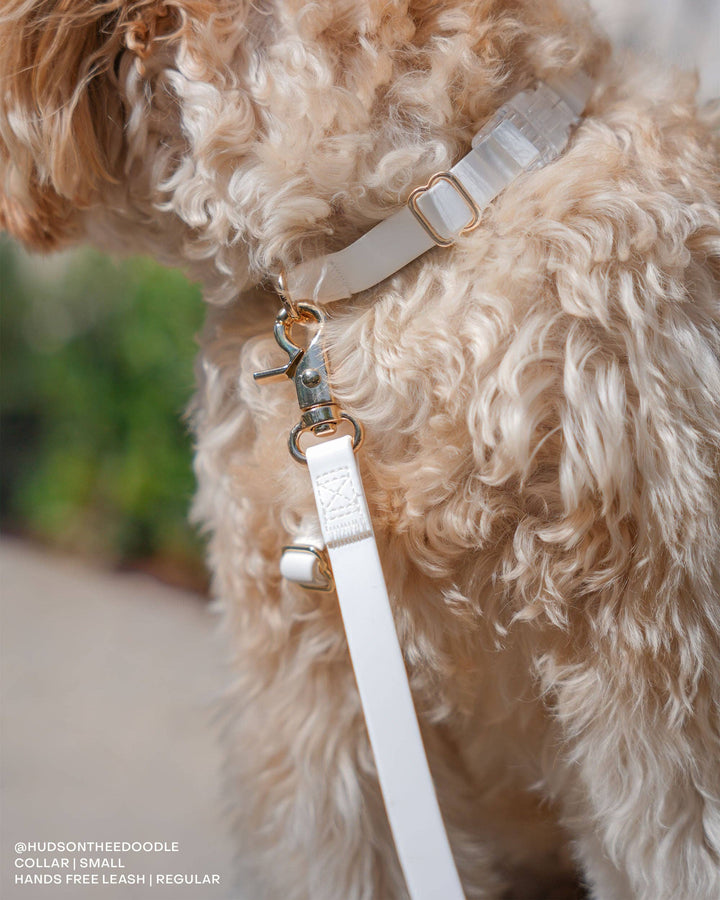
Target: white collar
[[529, 131]]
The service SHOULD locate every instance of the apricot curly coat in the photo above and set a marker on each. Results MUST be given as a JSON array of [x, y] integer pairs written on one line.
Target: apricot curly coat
[[541, 405]]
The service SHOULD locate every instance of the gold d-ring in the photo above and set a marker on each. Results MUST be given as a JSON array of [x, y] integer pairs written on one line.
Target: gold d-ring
[[300, 429]]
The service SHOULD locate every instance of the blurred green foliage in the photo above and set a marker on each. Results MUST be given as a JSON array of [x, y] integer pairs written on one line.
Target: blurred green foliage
[[97, 368]]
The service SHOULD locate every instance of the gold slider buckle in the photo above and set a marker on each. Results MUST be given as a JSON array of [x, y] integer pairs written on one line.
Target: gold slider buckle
[[450, 179]]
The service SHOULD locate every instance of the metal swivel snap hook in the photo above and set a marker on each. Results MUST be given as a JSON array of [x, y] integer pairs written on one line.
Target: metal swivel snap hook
[[307, 368]]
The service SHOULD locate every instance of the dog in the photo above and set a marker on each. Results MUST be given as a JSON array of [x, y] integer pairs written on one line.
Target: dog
[[540, 405]]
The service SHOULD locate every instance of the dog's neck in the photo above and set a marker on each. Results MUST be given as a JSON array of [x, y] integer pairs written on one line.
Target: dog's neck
[[322, 152]]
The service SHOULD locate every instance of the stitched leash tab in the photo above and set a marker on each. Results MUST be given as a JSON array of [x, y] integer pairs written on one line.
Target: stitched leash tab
[[407, 787]]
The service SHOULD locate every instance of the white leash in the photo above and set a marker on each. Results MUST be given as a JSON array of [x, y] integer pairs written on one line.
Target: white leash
[[405, 780], [531, 130]]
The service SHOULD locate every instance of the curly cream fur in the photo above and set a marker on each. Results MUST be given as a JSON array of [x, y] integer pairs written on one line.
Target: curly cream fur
[[541, 407]]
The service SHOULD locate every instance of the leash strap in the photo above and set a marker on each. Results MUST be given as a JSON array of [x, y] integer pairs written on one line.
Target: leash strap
[[528, 132], [407, 786]]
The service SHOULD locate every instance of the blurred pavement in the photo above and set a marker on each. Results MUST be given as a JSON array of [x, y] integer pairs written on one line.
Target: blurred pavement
[[108, 685]]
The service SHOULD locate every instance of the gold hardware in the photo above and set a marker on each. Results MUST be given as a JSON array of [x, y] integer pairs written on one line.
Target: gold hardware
[[307, 368], [450, 179], [326, 429], [323, 568], [281, 288]]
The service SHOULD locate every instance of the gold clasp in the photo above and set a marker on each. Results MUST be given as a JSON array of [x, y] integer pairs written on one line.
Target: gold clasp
[[307, 368]]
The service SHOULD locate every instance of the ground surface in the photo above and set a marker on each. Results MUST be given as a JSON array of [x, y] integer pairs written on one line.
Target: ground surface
[[109, 685]]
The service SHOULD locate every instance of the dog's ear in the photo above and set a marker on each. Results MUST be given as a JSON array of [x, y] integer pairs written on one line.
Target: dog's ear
[[61, 111]]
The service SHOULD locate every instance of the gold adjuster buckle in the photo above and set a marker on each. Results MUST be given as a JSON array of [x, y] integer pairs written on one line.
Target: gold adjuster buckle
[[423, 219]]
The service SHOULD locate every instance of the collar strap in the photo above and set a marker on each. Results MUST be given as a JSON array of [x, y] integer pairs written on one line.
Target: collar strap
[[529, 131]]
